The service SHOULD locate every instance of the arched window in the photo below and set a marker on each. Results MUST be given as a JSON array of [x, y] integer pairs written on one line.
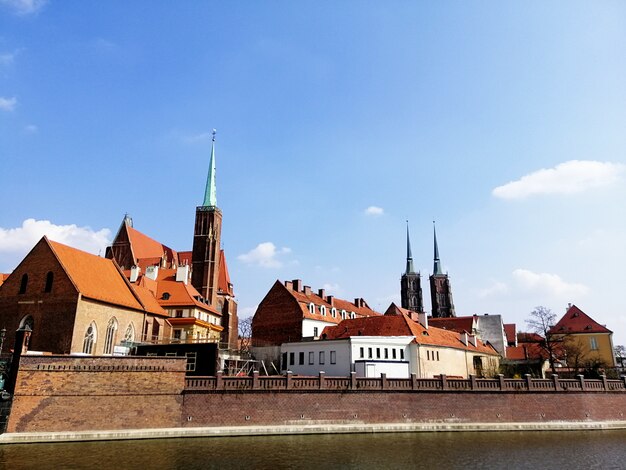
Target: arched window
[[311, 307], [323, 310], [23, 284], [27, 321], [344, 314], [49, 279], [91, 335], [129, 335], [352, 315], [333, 312], [109, 339]]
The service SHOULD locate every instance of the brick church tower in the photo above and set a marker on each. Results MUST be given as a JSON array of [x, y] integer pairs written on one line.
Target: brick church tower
[[410, 283], [440, 290], [205, 255]]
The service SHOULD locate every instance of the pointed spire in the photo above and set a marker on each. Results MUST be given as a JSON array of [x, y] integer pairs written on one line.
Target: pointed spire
[[437, 264], [409, 256], [210, 194]]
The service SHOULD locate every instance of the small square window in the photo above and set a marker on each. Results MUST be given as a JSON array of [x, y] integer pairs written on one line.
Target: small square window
[[333, 357]]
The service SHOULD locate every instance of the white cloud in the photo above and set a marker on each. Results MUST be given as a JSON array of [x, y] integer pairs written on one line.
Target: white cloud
[[7, 104], [24, 7], [374, 211], [496, 288], [547, 283], [331, 288], [570, 177], [18, 241], [246, 312], [265, 255], [197, 138], [7, 59]]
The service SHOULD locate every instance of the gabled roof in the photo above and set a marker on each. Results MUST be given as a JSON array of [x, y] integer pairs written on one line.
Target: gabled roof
[[223, 280], [179, 293], [98, 278], [402, 325], [148, 249], [523, 337], [576, 321], [510, 330], [458, 324], [3, 277], [526, 352], [184, 257], [393, 309]]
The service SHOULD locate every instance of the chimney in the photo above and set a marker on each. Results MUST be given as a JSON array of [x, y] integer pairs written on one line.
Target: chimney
[[422, 318], [152, 272], [182, 274], [307, 290], [472, 339], [569, 305], [321, 293], [297, 285], [464, 338], [358, 302], [331, 300], [288, 285], [134, 273]]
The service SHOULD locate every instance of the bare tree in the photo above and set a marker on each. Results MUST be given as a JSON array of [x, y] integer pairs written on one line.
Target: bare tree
[[620, 355], [541, 321], [245, 335]]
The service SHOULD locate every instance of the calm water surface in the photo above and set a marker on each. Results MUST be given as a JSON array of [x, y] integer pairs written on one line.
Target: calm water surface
[[511, 450]]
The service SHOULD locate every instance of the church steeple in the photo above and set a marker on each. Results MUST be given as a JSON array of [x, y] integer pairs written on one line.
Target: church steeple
[[409, 256], [437, 262], [210, 193]]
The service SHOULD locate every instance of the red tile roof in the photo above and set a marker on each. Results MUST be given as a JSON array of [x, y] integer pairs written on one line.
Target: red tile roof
[[393, 309], [98, 278], [402, 325], [148, 250], [526, 352], [184, 257], [180, 294], [223, 280], [523, 337], [577, 321], [510, 330], [458, 324], [3, 277]]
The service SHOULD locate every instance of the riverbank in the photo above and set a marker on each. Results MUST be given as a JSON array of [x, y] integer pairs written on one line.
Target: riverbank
[[239, 431]]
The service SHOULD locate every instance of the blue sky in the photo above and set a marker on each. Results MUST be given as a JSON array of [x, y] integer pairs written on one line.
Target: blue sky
[[502, 121]]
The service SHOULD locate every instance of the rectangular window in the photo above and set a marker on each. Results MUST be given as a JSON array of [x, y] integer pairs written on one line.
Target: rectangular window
[[377, 353], [386, 353], [315, 331], [593, 342], [292, 358], [369, 352], [427, 355], [284, 365], [393, 353], [333, 357], [362, 352], [402, 354], [191, 361], [311, 358], [301, 359], [178, 334], [437, 355], [179, 313], [322, 357]]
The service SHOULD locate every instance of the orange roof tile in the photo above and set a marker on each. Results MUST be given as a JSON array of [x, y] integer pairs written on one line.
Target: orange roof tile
[[149, 301], [510, 330], [145, 248], [458, 324], [523, 337], [402, 325], [526, 352], [577, 321], [223, 280], [184, 257], [3, 277], [180, 294], [95, 277]]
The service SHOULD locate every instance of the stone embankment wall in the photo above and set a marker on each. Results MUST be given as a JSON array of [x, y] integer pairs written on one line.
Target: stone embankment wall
[[65, 393], [72, 394]]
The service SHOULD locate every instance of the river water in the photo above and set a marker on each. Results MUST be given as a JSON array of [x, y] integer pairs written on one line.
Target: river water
[[430, 450]]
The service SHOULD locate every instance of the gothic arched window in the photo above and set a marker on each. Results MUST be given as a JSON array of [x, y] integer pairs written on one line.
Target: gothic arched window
[[129, 335], [109, 339], [28, 321], [91, 335]]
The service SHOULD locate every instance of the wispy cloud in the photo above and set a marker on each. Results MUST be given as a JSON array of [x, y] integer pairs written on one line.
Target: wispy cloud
[[331, 288], [374, 211], [495, 289], [24, 7], [265, 255], [196, 138], [571, 177], [7, 59], [8, 104], [19, 240], [546, 283]]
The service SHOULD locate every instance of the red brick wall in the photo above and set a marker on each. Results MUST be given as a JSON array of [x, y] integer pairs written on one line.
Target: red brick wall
[[53, 312], [282, 408], [278, 318], [64, 393]]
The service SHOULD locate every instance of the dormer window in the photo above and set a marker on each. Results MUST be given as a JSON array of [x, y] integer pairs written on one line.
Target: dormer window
[[344, 314], [311, 308], [333, 312], [166, 296], [323, 310], [352, 315]]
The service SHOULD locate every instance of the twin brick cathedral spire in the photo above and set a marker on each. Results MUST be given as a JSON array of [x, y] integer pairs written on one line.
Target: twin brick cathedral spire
[[440, 290]]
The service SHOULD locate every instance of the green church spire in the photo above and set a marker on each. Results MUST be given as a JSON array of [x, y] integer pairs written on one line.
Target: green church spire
[[437, 264], [210, 193]]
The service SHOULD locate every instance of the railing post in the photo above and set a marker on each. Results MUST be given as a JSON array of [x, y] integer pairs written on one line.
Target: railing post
[[383, 380], [444, 382], [322, 380], [353, 380], [605, 384], [414, 381], [255, 380], [581, 378], [529, 382], [289, 384], [557, 385], [473, 381], [501, 380], [624, 380], [219, 381]]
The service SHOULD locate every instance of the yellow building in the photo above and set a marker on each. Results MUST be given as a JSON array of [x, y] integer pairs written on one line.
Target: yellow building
[[584, 337]]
